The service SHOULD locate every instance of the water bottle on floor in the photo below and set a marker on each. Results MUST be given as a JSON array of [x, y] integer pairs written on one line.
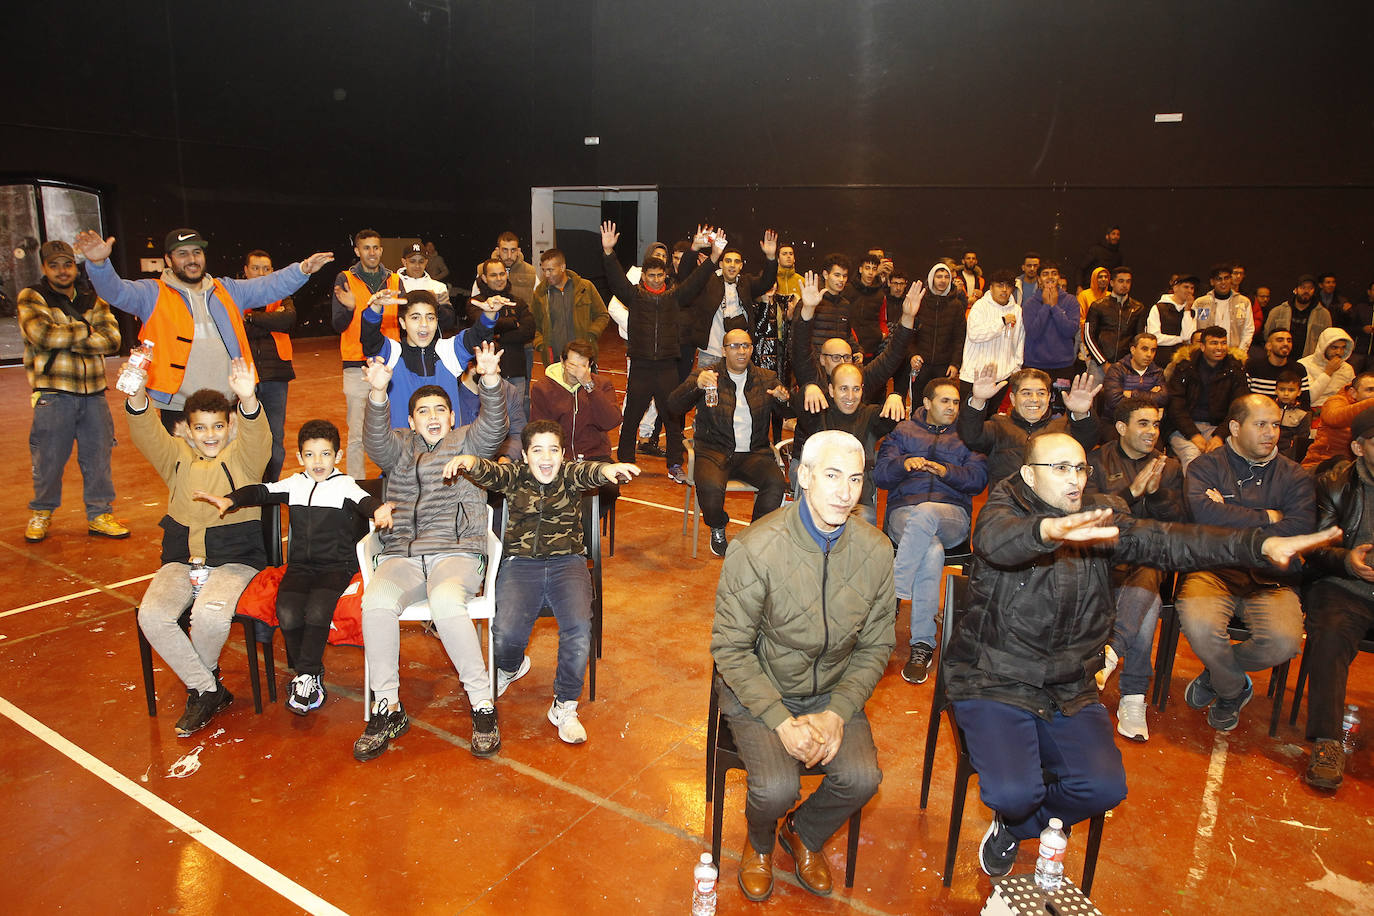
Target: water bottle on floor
[[1049, 866], [704, 887], [1350, 729]]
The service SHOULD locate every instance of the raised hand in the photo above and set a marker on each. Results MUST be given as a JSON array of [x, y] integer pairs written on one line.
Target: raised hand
[[811, 294], [894, 408], [222, 503], [242, 383], [90, 244], [1148, 478], [718, 245], [813, 399], [985, 383], [1280, 551], [489, 362], [459, 464], [384, 297], [702, 239], [609, 237], [769, 244], [1079, 398], [345, 296], [620, 473], [382, 517], [317, 260], [1079, 527], [378, 374]]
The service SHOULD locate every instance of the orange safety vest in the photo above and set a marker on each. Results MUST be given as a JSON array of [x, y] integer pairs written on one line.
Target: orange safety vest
[[280, 338], [350, 341], [171, 328]]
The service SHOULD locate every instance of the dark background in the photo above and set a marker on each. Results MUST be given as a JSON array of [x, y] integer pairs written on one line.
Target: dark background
[[920, 126]]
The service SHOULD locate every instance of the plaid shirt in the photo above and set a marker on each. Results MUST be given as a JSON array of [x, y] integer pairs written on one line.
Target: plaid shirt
[[66, 341]]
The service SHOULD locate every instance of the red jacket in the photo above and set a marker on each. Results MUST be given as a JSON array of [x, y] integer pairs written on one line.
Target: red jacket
[[586, 416]]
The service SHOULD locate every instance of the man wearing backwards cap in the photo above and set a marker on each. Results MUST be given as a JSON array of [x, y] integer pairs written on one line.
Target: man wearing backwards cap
[[195, 321], [67, 335]]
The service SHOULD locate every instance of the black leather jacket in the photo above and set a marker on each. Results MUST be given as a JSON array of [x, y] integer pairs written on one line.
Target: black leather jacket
[[1340, 501]]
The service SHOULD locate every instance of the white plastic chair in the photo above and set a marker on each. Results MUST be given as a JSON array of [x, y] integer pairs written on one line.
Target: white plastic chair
[[479, 607]]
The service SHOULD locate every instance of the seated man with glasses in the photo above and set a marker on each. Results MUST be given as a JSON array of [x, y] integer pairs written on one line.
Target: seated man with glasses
[[731, 438], [1020, 661]]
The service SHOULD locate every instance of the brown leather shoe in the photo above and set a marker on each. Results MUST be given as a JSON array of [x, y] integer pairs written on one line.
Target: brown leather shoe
[[755, 872], [812, 870]]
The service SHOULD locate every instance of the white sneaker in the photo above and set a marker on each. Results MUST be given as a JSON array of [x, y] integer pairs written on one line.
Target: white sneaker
[[1130, 717], [1107, 669], [505, 679], [564, 715]]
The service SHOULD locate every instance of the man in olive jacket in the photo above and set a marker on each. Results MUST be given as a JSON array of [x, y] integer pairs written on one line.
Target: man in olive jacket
[[1022, 655], [803, 632]]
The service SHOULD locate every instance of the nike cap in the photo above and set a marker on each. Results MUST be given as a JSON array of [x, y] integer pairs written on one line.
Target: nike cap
[[179, 237]]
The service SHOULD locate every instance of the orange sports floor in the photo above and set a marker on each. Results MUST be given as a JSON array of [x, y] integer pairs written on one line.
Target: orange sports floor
[[106, 811]]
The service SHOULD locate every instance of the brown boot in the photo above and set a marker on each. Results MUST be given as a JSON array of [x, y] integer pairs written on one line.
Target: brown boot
[[812, 870], [755, 873]]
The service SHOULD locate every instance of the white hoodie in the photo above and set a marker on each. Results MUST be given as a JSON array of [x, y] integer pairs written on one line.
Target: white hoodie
[[1320, 385]]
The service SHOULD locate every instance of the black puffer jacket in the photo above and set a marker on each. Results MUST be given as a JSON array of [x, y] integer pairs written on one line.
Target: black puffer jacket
[[1003, 437], [1039, 614], [652, 326], [833, 318], [1186, 389], [865, 311], [941, 326]]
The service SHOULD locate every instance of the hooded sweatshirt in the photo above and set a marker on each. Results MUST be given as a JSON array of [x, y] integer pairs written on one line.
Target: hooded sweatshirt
[[1320, 384], [941, 325]]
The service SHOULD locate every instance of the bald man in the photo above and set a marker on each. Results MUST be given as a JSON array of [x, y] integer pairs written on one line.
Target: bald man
[[1021, 659]]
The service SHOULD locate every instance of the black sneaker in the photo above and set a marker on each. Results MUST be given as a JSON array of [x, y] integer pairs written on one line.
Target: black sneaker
[[718, 541], [676, 474], [1225, 713], [486, 737], [917, 667], [1200, 694], [384, 724], [651, 447], [1327, 766], [998, 853], [201, 708]]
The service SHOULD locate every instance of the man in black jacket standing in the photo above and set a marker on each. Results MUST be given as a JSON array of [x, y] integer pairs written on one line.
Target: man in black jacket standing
[[726, 301], [1020, 661], [653, 340], [1340, 604], [731, 438]]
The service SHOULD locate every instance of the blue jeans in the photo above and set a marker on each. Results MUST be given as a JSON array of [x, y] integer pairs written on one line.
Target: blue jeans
[[1206, 603], [273, 398], [922, 532], [59, 419], [1133, 636], [1009, 747], [526, 585]]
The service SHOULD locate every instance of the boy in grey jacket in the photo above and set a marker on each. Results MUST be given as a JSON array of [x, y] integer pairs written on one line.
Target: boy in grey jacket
[[434, 548]]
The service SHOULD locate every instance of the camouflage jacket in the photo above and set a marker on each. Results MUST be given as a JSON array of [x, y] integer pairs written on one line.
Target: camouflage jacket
[[543, 520]]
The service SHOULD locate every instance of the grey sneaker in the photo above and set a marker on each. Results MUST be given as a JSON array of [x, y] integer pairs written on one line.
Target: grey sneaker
[[384, 724], [1225, 713], [1200, 694], [676, 475], [998, 853], [505, 678], [1130, 717], [563, 714], [917, 667], [1327, 766], [486, 737]]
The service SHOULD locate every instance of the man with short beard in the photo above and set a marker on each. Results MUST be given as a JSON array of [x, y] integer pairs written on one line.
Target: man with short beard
[[931, 477], [1106, 253], [1262, 372], [1052, 319], [514, 330], [1113, 321], [353, 289], [974, 282], [1303, 315], [1003, 437], [195, 321], [1201, 391], [727, 301], [67, 333]]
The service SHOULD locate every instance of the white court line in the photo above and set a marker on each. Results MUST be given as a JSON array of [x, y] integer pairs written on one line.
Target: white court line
[[249, 865], [83, 594], [1207, 817]]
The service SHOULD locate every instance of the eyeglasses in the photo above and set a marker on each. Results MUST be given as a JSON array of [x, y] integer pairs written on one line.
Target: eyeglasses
[[842, 357], [1061, 468], [739, 346]]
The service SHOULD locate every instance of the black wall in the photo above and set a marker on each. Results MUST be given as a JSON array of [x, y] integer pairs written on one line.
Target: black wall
[[918, 125]]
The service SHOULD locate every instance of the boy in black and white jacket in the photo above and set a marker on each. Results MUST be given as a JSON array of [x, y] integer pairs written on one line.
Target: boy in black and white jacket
[[325, 507]]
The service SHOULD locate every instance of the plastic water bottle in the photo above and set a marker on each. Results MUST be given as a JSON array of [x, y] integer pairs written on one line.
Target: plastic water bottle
[[1350, 729], [712, 395], [199, 573], [135, 371], [704, 887], [1049, 866]]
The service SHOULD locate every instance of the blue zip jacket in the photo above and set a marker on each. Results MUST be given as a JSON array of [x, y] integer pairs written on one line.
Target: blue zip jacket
[[966, 470]]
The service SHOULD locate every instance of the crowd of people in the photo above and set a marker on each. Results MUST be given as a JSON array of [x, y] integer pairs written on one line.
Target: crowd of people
[[1122, 442]]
